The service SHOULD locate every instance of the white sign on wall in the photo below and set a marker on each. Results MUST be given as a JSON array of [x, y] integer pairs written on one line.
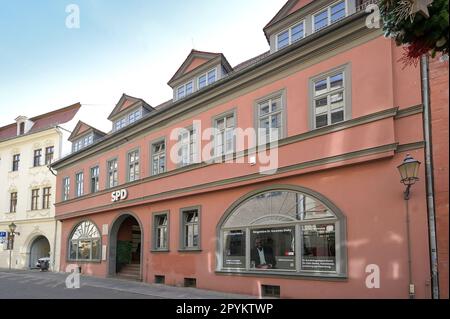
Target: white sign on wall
[[3, 236], [119, 195]]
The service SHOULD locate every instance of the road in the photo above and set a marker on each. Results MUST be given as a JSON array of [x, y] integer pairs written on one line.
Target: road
[[19, 284]]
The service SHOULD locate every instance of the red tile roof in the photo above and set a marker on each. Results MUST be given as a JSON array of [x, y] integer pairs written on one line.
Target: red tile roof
[[43, 121]]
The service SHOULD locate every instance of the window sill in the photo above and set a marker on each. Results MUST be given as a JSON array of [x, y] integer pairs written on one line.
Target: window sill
[[279, 274], [190, 250], [160, 251], [84, 262]]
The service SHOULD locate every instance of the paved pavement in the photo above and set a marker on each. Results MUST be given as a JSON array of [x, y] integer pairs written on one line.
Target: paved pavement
[[46, 285]]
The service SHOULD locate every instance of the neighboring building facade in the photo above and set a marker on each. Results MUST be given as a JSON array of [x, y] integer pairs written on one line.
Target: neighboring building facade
[[438, 80], [148, 202], [27, 148]]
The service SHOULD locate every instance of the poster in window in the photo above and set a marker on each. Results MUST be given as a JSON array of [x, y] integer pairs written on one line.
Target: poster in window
[[319, 248], [273, 248], [234, 254]]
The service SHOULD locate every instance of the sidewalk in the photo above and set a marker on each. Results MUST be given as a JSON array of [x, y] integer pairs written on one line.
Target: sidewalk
[[154, 290]]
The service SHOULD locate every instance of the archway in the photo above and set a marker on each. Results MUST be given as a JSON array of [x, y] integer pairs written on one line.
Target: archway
[[40, 247], [125, 248]]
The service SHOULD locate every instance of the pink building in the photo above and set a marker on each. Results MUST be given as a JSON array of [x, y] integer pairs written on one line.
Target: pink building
[[321, 216]]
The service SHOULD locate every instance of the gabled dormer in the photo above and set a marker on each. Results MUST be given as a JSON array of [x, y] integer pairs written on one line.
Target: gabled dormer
[[199, 70], [24, 125], [84, 135], [127, 111], [299, 19]]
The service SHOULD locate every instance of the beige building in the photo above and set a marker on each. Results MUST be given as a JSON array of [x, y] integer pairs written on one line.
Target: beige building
[[27, 190]]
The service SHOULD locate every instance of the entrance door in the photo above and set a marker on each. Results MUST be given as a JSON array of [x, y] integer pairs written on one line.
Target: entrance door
[[39, 248], [125, 248]]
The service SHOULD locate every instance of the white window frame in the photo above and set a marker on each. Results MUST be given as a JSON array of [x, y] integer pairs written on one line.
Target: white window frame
[[223, 133], [328, 9], [346, 91], [207, 78], [184, 86], [290, 34], [191, 146], [79, 184]]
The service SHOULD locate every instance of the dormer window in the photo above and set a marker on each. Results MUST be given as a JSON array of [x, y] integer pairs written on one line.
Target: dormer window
[[83, 142], [185, 90], [207, 78], [134, 116], [22, 128], [291, 35], [329, 15]]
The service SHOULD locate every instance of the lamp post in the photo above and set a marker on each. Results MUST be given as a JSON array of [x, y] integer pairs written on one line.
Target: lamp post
[[409, 170], [11, 235]]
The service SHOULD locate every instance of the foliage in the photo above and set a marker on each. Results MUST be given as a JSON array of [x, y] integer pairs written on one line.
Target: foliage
[[422, 35], [124, 249]]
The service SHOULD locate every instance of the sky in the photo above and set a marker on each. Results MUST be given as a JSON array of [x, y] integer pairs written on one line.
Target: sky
[[121, 46]]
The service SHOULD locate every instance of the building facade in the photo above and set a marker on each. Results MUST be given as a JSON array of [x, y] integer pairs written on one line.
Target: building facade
[[438, 79], [174, 194], [27, 148]]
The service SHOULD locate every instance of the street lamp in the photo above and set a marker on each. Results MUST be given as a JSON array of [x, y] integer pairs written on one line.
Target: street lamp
[[12, 233], [409, 170]]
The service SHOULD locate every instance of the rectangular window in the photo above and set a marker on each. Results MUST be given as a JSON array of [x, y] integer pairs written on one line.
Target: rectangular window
[[113, 179], [22, 128], [13, 203], [134, 116], [329, 15], [34, 199], [291, 35], [46, 198], [181, 92], [185, 90], [273, 248], [191, 229], [66, 188], [319, 248], [16, 161], [120, 124], [208, 78], [329, 99], [37, 158], [189, 88], [211, 77], [95, 174], [224, 139], [49, 154], [158, 158], [188, 150], [270, 119], [161, 231], [133, 166], [79, 184], [234, 246]]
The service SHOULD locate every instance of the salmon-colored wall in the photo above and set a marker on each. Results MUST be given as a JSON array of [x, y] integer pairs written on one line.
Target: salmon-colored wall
[[365, 188], [195, 64], [440, 142], [370, 196], [300, 4], [373, 90]]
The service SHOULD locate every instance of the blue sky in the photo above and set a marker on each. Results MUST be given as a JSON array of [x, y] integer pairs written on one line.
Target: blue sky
[[122, 46]]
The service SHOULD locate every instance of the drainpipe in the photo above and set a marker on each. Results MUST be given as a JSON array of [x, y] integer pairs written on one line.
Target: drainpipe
[[429, 176]]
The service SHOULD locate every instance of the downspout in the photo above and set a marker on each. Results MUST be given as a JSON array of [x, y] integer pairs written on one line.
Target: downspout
[[429, 177]]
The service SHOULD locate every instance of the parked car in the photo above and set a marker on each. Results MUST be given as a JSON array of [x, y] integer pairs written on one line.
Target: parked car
[[42, 260]]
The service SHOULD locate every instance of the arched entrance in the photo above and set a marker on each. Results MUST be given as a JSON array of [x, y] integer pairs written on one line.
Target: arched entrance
[[125, 248], [40, 247]]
